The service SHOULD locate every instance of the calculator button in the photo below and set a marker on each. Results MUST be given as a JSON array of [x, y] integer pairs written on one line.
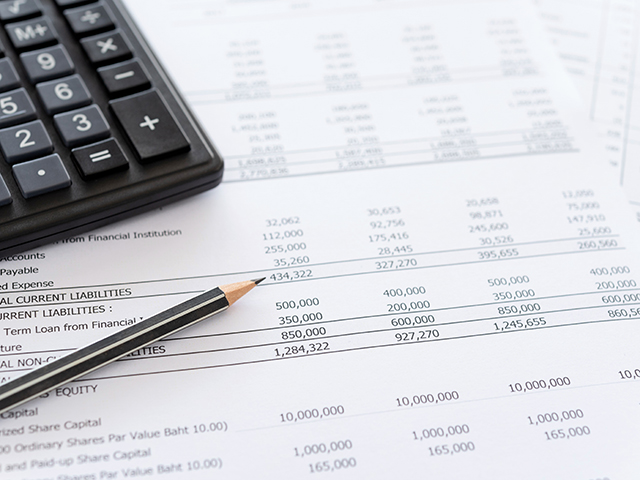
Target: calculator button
[[150, 125], [100, 158], [16, 107], [107, 48], [5, 194], [8, 75], [82, 126], [24, 142], [11, 10], [125, 78], [90, 19], [47, 64], [71, 3], [40, 176], [63, 94], [32, 33]]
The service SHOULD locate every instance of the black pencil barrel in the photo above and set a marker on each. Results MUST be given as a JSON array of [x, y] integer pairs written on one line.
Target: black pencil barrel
[[111, 348]]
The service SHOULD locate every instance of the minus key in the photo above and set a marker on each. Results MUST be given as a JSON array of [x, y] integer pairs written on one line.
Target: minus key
[[125, 78]]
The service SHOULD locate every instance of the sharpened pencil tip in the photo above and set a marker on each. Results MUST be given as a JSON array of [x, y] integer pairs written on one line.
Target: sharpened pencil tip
[[258, 280]]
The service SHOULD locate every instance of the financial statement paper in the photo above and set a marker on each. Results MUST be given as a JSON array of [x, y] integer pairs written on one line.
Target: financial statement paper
[[598, 43], [452, 270]]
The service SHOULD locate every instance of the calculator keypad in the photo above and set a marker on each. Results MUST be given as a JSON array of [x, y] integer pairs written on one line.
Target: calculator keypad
[[63, 95], [145, 118], [88, 120]]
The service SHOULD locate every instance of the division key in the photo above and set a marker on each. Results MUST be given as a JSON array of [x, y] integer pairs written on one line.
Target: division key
[[150, 125]]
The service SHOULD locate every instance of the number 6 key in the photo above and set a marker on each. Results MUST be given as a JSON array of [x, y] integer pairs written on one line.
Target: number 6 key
[[64, 94]]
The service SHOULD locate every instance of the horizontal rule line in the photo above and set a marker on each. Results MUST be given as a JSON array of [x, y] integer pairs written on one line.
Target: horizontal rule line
[[401, 83], [415, 312], [402, 75], [400, 165], [303, 267], [384, 154], [354, 349], [362, 332], [98, 300], [562, 128], [336, 262], [325, 338], [444, 265]]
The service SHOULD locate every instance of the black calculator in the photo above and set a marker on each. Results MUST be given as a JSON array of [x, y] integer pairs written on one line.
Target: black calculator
[[91, 128]]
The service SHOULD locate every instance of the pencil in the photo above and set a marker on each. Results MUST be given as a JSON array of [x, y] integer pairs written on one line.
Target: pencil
[[119, 344]]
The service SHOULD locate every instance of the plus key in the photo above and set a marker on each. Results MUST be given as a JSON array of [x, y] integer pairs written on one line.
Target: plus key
[[150, 125]]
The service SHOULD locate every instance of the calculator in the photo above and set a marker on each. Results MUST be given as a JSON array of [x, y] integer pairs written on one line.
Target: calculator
[[92, 130]]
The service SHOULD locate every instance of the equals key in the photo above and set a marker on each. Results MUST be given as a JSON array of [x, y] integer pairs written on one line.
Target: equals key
[[123, 75], [125, 78], [99, 159]]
